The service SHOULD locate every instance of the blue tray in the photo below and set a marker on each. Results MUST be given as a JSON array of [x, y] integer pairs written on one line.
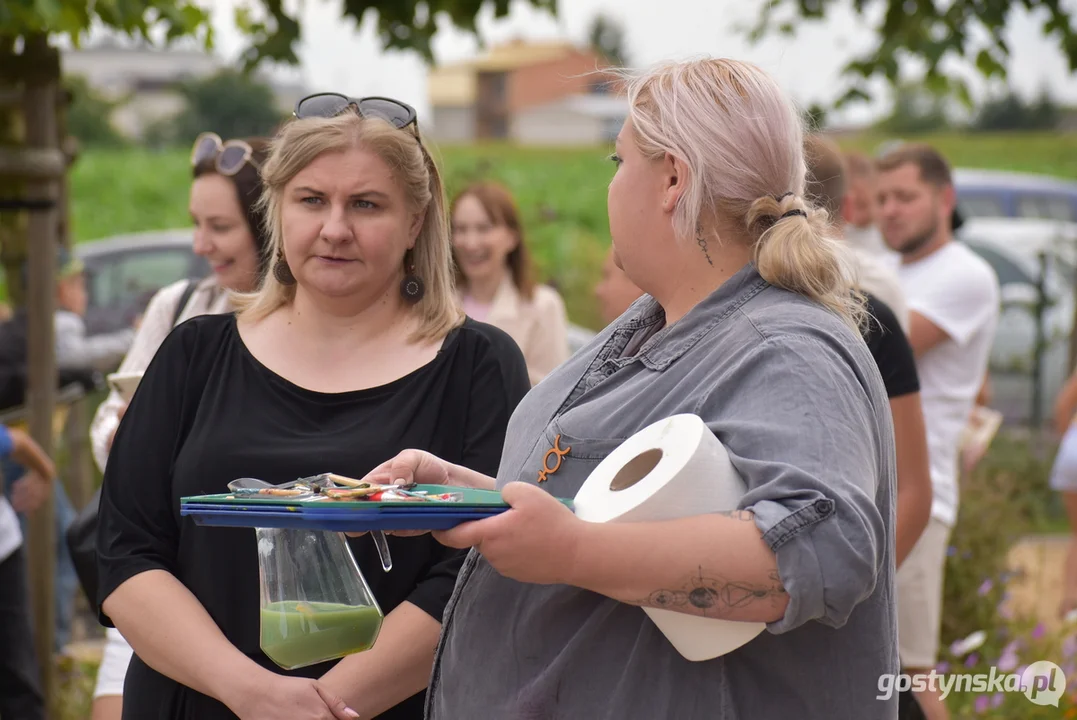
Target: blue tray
[[331, 519]]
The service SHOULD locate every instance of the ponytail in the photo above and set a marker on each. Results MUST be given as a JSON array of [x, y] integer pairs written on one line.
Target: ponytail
[[797, 251]]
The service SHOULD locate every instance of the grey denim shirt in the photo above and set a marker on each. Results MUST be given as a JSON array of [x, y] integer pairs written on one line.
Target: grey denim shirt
[[798, 402]]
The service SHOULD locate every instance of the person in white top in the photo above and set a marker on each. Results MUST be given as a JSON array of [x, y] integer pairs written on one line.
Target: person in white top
[[494, 278], [953, 299], [859, 209], [228, 232]]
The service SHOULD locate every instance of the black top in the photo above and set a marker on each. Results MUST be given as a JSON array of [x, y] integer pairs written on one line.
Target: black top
[[207, 412], [891, 349]]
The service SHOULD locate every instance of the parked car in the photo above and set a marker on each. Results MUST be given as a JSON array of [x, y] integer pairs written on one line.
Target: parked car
[[124, 272], [1013, 248], [993, 193]]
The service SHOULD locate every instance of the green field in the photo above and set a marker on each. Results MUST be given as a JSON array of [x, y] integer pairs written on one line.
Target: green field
[[561, 193]]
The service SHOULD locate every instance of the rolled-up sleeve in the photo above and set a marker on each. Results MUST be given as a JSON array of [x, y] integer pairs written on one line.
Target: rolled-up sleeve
[[802, 426]]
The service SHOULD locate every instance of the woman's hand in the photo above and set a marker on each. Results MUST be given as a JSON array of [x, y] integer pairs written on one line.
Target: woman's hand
[[412, 466], [537, 541], [290, 698], [421, 467]]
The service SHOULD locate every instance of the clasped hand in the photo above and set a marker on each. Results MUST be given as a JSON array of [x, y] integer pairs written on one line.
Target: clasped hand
[[292, 698], [537, 541]]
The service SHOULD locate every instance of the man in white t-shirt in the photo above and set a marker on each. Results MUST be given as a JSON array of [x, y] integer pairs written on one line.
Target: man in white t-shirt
[[20, 684], [953, 300]]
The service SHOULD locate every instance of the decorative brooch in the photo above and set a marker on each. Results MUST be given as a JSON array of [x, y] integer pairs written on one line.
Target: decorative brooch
[[558, 453]]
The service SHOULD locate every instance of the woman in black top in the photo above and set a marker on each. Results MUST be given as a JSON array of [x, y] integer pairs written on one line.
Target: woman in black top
[[334, 365]]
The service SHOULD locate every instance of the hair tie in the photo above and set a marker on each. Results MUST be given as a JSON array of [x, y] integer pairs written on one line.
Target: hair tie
[[791, 213]]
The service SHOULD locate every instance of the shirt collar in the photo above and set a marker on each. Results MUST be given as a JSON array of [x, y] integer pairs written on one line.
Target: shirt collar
[[675, 340]]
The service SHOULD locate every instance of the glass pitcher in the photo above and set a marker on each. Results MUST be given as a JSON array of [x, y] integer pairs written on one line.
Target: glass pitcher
[[315, 603]]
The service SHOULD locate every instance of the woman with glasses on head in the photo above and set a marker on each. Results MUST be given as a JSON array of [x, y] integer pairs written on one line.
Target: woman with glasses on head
[[494, 277], [749, 322], [229, 233], [352, 349]]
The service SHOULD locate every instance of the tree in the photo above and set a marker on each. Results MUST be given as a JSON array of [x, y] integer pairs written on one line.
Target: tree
[[228, 103], [88, 117], [607, 38], [927, 30], [916, 111], [273, 32], [1010, 112], [815, 117]]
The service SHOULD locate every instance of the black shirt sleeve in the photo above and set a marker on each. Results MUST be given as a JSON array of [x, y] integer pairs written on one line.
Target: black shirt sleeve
[[498, 382], [137, 528], [891, 349]]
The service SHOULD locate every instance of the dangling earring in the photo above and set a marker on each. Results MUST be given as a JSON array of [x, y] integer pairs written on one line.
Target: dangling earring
[[411, 287], [281, 271]]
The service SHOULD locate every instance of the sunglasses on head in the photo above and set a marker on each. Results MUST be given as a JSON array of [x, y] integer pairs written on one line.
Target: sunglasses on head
[[327, 105], [229, 157]]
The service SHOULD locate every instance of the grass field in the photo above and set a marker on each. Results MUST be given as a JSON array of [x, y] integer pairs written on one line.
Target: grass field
[[561, 193]]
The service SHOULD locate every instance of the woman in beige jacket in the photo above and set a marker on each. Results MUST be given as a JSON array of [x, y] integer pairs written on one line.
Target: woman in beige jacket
[[494, 278]]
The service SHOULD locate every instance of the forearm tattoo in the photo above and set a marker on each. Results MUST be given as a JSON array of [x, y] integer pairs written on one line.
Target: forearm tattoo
[[714, 596]]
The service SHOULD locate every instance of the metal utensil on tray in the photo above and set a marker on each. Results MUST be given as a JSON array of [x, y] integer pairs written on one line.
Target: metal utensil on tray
[[321, 480]]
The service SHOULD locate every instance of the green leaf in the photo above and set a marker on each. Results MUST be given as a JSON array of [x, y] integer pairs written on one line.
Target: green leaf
[[852, 95], [49, 11], [988, 65]]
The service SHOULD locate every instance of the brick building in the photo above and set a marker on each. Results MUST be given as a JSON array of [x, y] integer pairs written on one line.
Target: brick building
[[529, 93]]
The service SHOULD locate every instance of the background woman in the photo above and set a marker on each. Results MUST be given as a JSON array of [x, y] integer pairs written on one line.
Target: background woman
[[228, 232], [353, 348], [495, 280]]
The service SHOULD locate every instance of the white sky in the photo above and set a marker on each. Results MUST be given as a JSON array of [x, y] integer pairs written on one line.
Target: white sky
[[336, 55]]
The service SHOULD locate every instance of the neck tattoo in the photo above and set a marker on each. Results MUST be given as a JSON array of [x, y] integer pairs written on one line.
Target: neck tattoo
[[703, 246]]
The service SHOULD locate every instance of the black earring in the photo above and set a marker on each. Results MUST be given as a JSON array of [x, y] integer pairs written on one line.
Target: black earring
[[411, 287], [281, 271]]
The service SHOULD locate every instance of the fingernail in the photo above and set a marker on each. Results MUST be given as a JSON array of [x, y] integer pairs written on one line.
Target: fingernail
[[350, 713], [400, 481]]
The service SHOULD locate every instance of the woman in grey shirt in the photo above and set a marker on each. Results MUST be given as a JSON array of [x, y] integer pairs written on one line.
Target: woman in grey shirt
[[750, 322]]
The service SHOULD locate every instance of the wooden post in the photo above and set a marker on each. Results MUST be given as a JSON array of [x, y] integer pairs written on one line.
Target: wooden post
[[79, 479], [39, 107]]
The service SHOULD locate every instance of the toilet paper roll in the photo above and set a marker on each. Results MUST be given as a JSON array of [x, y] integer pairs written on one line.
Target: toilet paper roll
[[672, 469]]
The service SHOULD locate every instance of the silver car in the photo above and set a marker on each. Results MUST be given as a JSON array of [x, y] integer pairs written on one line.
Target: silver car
[[1021, 251], [124, 272]]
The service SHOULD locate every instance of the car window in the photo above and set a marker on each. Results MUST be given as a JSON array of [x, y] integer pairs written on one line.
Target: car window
[[1008, 271], [1049, 207], [980, 205], [126, 277]]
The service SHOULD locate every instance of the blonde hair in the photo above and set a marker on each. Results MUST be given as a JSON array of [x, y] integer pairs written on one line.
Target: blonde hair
[[298, 144], [742, 140]]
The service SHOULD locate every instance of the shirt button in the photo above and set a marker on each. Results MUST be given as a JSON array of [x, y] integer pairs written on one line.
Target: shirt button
[[824, 507]]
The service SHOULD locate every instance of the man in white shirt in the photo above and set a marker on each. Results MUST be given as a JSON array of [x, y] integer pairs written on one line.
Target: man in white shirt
[[953, 300]]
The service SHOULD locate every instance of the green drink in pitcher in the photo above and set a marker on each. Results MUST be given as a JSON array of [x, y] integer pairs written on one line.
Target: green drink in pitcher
[[297, 634]]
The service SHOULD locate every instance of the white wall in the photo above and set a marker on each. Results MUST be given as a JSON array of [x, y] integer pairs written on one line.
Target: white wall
[[556, 125], [453, 124]]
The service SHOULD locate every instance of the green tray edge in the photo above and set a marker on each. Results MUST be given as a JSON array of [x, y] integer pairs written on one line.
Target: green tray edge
[[472, 498]]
